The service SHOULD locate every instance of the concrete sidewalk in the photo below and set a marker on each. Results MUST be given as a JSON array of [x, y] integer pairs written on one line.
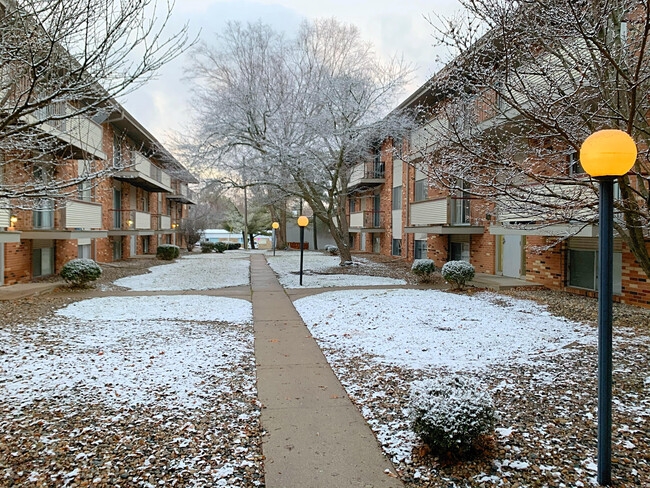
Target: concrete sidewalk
[[22, 290], [315, 437]]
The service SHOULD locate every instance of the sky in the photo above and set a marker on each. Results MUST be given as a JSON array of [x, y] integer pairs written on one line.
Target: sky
[[163, 105]]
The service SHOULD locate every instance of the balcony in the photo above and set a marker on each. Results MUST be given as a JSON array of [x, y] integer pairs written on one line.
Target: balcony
[[7, 236], [426, 137], [367, 174], [78, 130], [75, 220], [144, 174], [82, 215], [447, 215], [367, 221], [132, 222], [182, 194], [164, 224]]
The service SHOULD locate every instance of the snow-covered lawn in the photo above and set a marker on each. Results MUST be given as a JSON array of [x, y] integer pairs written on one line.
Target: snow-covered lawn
[[286, 265], [421, 328], [159, 388], [194, 272], [541, 370]]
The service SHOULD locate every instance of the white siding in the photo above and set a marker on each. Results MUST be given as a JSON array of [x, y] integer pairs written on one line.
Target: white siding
[[431, 212], [142, 220], [83, 215], [397, 224], [397, 172], [356, 219], [165, 222], [5, 215]]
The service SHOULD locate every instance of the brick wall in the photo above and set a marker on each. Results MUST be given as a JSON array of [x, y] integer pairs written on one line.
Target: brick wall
[[482, 252], [636, 285], [18, 262], [546, 267]]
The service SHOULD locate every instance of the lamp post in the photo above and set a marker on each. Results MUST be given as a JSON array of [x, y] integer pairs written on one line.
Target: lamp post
[[275, 226], [606, 155], [302, 223]]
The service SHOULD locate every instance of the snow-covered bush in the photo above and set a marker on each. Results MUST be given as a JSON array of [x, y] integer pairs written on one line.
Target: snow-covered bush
[[206, 247], [233, 246], [451, 413], [167, 252], [220, 247], [424, 269], [80, 272], [333, 250], [458, 273]]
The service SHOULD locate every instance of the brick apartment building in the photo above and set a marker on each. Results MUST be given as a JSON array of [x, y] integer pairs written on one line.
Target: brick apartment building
[[140, 206], [394, 210]]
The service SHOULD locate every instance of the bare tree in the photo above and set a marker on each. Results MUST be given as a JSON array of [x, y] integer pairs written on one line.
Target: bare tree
[[295, 114], [63, 63], [529, 82]]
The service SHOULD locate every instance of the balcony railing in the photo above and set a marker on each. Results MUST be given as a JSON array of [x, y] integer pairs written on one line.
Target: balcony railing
[[182, 194], [370, 173], [367, 219], [144, 174], [164, 222], [5, 217], [82, 215], [442, 211], [77, 130], [131, 220]]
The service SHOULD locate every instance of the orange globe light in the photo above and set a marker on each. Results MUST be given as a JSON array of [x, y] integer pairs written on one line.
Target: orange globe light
[[609, 152], [303, 221], [275, 225]]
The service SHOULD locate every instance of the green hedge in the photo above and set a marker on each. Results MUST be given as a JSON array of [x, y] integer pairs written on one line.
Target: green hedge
[[168, 252]]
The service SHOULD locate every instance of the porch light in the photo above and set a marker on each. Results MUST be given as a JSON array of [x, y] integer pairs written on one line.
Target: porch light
[[606, 155], [129, 222], [13, 219], [302, 223]]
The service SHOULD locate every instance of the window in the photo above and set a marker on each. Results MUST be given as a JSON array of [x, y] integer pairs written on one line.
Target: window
[[397, 198], [145, 201], [117, 151], [83, 251], [397, 247], [85, 187], [44, 214], [420, 191], [583, 270], [117, 248], [398, 148], [43, 261], [575, 168], [461, 204], [145, 245], [459, 251], [352, 205], [420, 251], [117, 208]]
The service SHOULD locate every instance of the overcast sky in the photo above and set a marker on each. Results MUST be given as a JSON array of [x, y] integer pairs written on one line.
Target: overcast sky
[[394, 27]]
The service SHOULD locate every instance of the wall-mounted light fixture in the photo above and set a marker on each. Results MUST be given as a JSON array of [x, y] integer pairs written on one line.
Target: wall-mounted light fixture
[[13, 219]]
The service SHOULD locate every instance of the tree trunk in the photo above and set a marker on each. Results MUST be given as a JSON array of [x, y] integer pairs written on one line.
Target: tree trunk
[[252, 240], [315, 234]]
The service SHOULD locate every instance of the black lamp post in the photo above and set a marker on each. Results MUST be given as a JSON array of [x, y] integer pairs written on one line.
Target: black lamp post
[[605, 155], [275, 226], [302, 223]]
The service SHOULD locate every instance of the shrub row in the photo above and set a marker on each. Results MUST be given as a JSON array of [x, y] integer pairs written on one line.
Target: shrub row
[[219, 246]]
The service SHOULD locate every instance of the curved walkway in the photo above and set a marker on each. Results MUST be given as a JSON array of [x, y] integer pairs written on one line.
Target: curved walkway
[[315, 437]]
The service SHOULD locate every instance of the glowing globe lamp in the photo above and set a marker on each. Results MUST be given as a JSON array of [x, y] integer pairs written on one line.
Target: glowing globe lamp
[[303, 221], [275, 225], [608, 152]]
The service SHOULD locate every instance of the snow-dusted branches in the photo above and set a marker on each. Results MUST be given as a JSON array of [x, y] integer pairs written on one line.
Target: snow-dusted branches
[[63, 63], [294, 114], [532, 79]]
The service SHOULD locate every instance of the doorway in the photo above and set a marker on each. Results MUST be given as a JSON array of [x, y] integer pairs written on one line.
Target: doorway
[[513, 256]]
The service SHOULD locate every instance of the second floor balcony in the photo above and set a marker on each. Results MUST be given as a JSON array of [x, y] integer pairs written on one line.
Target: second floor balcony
[[143, 174], [367, 174], [74, 219], [446, 215], [367, 221], [182, 194], [77, 130], [128, 222]]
